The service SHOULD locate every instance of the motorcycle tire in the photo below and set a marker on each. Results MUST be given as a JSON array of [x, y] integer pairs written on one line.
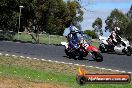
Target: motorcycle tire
[[72, 54], [128, 53], [66, 52], [102, 49], [97, 57]]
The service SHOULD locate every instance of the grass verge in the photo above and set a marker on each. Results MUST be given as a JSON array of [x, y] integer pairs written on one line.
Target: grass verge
[[48, 72], [45, 39]]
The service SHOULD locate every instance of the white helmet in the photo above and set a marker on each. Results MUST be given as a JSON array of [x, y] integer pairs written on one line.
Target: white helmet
[[73, 29], [116, 29]]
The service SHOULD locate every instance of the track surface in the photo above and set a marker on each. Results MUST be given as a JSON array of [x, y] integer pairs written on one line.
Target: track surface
[[56, 53]]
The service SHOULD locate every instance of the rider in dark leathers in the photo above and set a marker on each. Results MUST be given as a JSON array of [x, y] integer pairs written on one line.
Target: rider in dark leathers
[[72, 37]]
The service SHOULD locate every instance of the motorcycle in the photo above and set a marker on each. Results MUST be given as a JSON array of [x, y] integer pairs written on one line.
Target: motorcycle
[[84, 49], [122, 46]]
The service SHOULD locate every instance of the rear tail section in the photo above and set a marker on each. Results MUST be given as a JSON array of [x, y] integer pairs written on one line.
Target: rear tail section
[[64, 44]]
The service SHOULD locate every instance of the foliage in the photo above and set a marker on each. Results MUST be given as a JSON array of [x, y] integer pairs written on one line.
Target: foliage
[[8, 15], [91, 33], [75, 13], [129, 13], [55, 15], [116, 18], [97, 25], [128, 32], [51, 16], [124, 21]]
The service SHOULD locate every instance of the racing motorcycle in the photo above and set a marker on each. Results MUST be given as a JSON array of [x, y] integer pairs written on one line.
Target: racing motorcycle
[[122, 46], [84, 49]]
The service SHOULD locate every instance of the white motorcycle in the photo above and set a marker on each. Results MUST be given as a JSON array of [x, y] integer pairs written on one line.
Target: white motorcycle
[[123, 47]]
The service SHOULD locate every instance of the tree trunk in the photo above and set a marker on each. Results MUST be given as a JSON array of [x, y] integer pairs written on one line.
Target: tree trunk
[[36, 37]]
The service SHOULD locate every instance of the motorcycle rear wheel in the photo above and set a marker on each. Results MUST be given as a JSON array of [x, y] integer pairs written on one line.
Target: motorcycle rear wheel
[[66, 52], [102, 49], [97, 56]]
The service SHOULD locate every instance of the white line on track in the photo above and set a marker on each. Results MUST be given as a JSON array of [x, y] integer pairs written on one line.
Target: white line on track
[[97, 67], [22, 56], [67, 63], [56, 61], [83, 65], [62, 62], [90, 66], [76, 64], [43, 59], [50, 60], [109, 69], [102, 68], [28, 58], [123, 71], [117, 70], [14, 55], [70, 63], [1, 54], [129, 72], [7, 55], [34, 58]]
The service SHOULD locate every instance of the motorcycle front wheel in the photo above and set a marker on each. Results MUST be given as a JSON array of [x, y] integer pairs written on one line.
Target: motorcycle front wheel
[[102, 48]]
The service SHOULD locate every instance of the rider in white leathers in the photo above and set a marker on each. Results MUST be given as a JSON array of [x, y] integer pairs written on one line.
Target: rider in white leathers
[[113, 36]]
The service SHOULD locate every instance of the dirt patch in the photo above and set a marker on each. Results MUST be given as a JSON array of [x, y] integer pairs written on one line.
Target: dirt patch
[[48, 85], [20, 83]]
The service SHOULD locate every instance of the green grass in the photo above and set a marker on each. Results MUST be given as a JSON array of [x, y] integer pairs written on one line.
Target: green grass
[[44, 39], [36, 75], [38, 71], [23, 37], [96, 44], [48, 76]]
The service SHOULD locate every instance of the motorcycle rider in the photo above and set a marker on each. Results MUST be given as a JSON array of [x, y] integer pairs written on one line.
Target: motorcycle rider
[[114, 36], [113, 39], [72, 37]]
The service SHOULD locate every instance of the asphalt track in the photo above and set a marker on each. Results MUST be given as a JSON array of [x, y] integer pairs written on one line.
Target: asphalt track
[[56, 53]]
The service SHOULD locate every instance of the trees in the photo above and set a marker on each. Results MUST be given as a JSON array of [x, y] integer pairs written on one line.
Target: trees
[[116, 18], [97, 25], [128, 32], [124, 21], [91, 33], [75, 12], [52, 16], [8, 17], [55, 15], [129, 13]]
